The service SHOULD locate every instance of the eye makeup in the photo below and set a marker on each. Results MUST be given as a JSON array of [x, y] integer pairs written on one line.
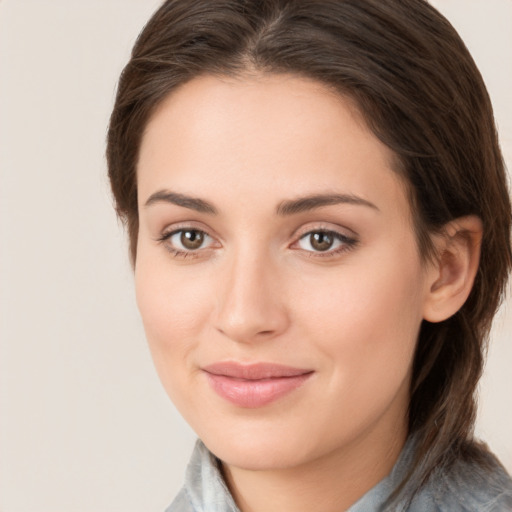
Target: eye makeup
[[192, 242]]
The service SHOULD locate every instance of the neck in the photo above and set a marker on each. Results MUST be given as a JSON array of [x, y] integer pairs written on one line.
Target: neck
[[332, 482]]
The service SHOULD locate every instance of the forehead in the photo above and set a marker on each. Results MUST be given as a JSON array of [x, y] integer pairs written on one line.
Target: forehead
[[262, 136]]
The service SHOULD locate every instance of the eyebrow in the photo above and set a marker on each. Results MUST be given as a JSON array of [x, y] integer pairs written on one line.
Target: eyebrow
[[285, 208], [304, 204], [193, 203]]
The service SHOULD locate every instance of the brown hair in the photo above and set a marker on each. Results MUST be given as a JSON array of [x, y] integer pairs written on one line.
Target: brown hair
[[419, 91]]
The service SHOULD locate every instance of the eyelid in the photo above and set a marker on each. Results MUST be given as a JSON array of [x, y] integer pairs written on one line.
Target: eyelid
[[183, 226], [169, 231], [325, 227], [348, 240]]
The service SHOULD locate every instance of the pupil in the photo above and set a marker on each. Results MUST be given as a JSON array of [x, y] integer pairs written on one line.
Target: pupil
[[321, 241], [192, 239]]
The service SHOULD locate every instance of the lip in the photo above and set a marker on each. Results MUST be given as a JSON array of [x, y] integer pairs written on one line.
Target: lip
[[256, 384]]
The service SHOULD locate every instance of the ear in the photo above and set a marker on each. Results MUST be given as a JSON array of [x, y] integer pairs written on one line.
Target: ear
[[452, 274]]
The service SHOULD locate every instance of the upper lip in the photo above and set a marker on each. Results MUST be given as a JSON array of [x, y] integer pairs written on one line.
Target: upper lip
[[253, 371]]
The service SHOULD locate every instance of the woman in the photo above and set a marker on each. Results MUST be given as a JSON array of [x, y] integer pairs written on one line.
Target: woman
[[320, 231]]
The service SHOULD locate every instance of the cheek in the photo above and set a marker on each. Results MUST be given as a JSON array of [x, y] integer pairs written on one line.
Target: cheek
[[365, 317], [174, 306]]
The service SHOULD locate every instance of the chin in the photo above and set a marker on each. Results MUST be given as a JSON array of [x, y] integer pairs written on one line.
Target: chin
[[258, 451], [256, 457]]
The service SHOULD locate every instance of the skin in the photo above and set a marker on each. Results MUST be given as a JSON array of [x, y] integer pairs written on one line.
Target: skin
[[256, 290]]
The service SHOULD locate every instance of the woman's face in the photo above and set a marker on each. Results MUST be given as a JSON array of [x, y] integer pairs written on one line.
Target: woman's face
[[277, 272]]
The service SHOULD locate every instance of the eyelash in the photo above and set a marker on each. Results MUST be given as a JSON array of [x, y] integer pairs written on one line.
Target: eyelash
[[347, 243], [178, 253]]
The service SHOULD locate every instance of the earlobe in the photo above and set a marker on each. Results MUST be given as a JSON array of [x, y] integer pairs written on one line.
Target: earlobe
[[452, 274]]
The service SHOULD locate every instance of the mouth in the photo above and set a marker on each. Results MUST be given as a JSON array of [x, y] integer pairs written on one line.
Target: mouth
[[254, 385]]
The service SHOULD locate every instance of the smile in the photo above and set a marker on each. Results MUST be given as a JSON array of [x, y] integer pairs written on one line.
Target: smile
[[254, 385]]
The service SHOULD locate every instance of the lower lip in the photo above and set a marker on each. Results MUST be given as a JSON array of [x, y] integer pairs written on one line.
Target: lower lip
[[254, 393]]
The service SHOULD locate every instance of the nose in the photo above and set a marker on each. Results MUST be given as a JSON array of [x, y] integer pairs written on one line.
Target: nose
[[250, 302]]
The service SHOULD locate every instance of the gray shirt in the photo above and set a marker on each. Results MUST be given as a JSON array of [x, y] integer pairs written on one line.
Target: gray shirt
[[466, 488]]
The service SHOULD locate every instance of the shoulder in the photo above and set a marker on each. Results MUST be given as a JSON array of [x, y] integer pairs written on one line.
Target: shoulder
[[472, 487], [474, 481]]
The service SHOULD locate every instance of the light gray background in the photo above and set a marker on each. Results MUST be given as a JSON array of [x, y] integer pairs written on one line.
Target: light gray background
[[84, 423]]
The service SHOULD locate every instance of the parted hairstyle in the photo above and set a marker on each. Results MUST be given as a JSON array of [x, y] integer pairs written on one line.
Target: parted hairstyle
[[421, 94]]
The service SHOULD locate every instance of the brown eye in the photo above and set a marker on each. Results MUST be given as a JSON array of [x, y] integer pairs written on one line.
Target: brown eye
[[328, 242], [321, 241], [185, 242], [191, 239]]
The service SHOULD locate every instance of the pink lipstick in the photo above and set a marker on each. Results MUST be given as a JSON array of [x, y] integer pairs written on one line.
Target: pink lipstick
[[254, 385]]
